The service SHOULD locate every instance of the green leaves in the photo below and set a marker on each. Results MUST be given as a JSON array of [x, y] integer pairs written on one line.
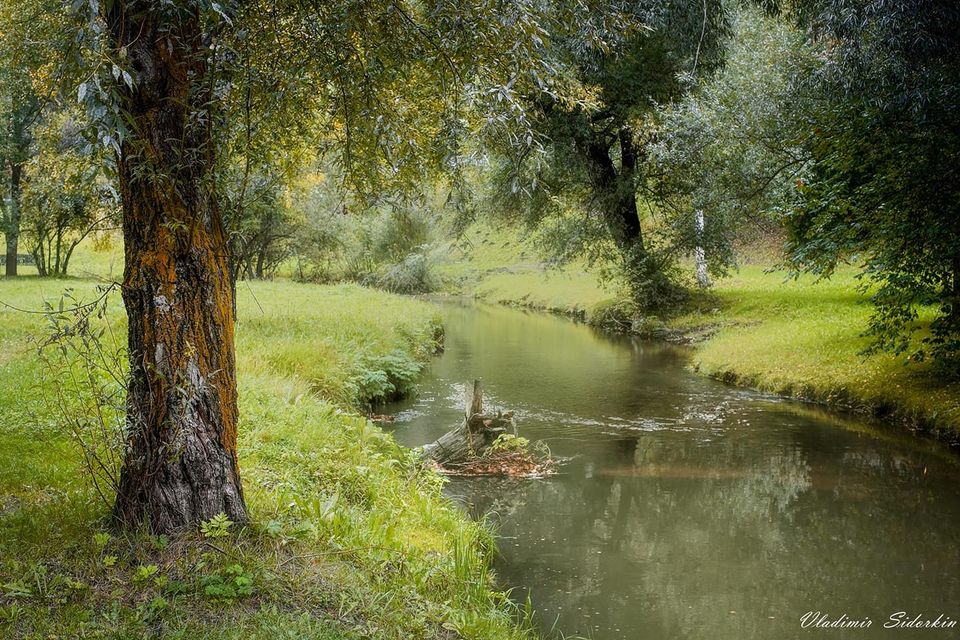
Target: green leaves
[[884, 187], [216, 527], [228, 584]]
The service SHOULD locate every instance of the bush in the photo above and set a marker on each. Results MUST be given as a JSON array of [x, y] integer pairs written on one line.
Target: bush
[[387, 377], [615, 314], [415, 274]]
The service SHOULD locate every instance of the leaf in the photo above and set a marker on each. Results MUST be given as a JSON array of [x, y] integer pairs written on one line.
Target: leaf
[[81, 91]]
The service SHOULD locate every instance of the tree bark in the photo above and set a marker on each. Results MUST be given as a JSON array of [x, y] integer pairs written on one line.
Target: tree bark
[[180, 466]]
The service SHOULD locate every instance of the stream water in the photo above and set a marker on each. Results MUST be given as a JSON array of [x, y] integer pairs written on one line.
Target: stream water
[[688, 508]]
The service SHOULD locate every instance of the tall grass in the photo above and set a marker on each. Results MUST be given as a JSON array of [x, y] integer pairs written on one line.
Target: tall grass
[[350, 536]]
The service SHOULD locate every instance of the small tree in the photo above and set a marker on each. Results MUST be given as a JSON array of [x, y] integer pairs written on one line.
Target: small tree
[[68, 195], [261, 228]]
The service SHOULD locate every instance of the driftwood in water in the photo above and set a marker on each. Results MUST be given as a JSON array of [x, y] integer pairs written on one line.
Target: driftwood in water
[[474, 436]]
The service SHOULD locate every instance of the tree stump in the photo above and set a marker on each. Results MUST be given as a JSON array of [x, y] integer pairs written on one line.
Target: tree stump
[[473, 437]]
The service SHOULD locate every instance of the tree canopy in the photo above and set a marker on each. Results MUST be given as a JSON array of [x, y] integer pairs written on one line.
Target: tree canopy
[[882, 186], [597, 118]]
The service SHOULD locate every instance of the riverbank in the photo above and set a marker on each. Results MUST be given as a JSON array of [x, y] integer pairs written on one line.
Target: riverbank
[[350, 536], [757, 329]]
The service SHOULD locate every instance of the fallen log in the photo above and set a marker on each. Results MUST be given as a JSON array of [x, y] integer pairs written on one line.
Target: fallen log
[[473, 437]]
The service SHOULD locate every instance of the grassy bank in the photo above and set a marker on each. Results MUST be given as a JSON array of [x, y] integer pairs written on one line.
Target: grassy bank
[[803, 339], [350, 538], [758, 329], [503, 267]]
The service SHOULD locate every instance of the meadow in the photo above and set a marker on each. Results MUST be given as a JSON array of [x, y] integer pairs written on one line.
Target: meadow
[[349, 536]]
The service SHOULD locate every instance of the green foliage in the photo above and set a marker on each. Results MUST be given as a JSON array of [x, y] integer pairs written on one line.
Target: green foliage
[[145, 573], [387, 377], [68, 193], [228, 584], [597, 119], [85, 372], [883, 188], [415, 274], [262, 228], [507, 442], [25, 58], [385, 247], [729, 149], [216, 527]]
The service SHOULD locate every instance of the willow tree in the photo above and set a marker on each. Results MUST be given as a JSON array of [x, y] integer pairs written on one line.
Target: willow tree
[[389, 89], [597, 117], [883, 185]]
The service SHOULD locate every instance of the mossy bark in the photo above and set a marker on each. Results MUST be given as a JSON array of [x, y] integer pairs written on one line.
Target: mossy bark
[[180, 466]]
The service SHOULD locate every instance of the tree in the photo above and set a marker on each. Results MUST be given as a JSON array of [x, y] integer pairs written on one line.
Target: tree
[[387, 82], [617, 63], [67, 194], [19, 109], [883, 187], [261, 228], [731, 149]]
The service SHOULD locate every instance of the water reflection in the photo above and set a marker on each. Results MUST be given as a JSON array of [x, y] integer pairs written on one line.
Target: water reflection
[[689, 509]]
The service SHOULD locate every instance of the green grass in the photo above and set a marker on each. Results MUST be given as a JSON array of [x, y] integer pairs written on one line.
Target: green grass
[[500, 266], [803, 338], [795, 337], [350, 536]]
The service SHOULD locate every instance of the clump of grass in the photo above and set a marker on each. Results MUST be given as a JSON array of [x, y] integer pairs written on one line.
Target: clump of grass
[[412, 275], [350, 535]]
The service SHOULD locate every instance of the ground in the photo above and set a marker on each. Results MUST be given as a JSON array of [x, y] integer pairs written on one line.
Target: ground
[[349, 534], [758, 328]]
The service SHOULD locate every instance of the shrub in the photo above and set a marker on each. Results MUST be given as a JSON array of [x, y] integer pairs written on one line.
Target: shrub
[[415, 274]]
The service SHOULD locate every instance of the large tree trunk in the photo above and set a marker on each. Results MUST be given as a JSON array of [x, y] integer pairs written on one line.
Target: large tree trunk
[[614, 190], [181, 464], [12, 231]]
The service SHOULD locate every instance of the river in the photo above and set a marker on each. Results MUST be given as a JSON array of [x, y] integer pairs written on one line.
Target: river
[[689, 508]]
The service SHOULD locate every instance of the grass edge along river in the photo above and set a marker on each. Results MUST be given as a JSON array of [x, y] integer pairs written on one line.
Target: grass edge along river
[[759, 329], [350, 536]]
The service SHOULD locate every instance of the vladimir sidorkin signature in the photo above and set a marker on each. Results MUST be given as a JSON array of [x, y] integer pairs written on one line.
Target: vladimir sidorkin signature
[[896, 620]]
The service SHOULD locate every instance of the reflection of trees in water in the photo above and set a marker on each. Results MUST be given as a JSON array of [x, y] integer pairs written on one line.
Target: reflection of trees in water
[[659, 535], [760, 500]]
